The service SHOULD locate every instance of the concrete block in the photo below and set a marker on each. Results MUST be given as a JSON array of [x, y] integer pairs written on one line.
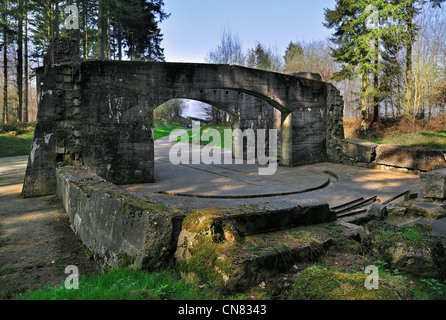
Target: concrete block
[[411, 158], [377, 211], [360, 151], [433, 184]]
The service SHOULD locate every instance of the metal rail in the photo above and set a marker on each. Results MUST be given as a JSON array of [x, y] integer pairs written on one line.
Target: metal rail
[[360, 204]]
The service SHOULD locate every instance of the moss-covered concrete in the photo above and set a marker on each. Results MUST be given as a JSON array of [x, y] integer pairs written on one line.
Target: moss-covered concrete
[[211, 248], [320, 284], [412, 249]]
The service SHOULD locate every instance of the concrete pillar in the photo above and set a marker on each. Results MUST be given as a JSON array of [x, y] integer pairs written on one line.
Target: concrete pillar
[[287, 139]]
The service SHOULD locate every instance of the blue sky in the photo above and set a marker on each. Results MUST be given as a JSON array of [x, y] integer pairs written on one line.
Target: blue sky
[[195, 26]]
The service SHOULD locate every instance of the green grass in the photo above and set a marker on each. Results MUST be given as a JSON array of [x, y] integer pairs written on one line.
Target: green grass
[[12, 145], [126, 284], [426, 139], [211, 142], [164, 128]]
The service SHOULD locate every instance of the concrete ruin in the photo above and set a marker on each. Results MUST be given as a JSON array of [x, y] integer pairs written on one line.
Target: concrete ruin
[[94, 132], [100, 113], [94, 138]]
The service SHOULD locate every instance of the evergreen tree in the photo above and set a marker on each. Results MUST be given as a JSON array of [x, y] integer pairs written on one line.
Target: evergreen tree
[[293, 53], [259, 58], [352, 46], [359, 27], [135, 26]]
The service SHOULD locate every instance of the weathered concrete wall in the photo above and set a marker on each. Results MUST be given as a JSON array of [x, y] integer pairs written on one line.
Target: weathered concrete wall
[[57, 131], [412, 158], [116, 226], [335, 124], [357, 152]]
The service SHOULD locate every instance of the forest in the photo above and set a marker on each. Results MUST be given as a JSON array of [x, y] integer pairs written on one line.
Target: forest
[[118, 30], [388, 58]]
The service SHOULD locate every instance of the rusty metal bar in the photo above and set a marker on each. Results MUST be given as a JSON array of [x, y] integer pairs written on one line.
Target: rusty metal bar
[[360, 204], [396, 197], [352, 213], [347, 204]]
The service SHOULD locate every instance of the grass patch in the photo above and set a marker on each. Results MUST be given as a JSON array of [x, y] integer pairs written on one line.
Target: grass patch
[[8, 270], [126, 284], [425, 139], [164, 128], [13, 144], [209, 142]]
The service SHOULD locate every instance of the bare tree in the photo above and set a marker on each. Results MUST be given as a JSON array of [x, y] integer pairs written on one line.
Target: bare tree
[[228, 51], [427, 61]]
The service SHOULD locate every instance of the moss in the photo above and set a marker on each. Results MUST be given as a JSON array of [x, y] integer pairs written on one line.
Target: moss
[[207, 264], [320, 284], [411, 235], [147, 206], [107, 254], [201, 221], [125, 260]]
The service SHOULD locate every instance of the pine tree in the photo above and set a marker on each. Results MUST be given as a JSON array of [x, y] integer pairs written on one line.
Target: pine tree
[[352, 46], [134, 24], [360, 27], [6, 32], [293, 53], [259, 58]]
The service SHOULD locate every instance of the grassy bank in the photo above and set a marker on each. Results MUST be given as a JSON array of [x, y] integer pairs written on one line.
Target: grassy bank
[[15, 139], [426, 139], [164, 127], [126, 284], [420, 133]]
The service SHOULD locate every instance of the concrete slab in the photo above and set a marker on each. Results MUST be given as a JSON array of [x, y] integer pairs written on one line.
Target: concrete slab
[[195, 186]]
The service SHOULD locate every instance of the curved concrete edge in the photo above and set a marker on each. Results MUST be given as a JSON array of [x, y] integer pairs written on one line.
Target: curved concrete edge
[[123, 229], [247, 196]]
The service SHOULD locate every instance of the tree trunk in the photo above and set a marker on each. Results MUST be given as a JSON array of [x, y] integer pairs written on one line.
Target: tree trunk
[[56, 19], [409, 44], [20, 64], [363, 101], [102, 31], [25, 105], [376, 83], [85, 29], [120, 42], [5, 76]]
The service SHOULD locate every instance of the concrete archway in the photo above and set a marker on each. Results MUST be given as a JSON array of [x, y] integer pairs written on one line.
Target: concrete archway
[[100, 113]]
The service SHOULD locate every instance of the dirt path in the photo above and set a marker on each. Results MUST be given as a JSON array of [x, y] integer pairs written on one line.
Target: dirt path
[[36, 241]]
